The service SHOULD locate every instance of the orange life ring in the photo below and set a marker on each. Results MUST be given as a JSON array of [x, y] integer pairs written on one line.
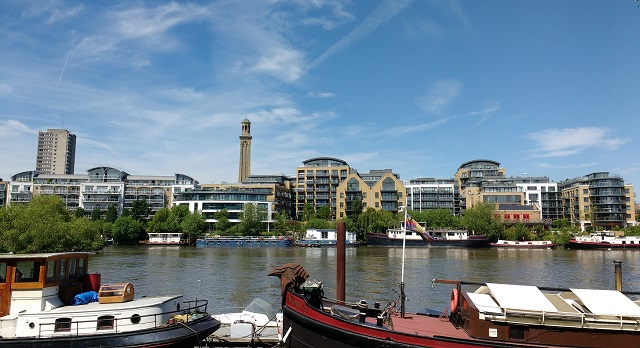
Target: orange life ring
[[454, 300]]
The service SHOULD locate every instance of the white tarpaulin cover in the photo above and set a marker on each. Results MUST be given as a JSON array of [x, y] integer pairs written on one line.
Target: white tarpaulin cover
[[484, 303], [607, 302], [521, 297]]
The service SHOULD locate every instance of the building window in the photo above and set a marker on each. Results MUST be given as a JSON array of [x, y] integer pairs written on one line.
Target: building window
[[585, 191], [586, 199]]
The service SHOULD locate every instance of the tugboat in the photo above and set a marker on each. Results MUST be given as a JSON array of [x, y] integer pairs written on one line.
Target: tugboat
[[49, 300]]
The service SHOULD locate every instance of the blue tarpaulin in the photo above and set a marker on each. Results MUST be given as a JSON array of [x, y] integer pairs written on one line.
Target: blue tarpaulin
[[85, 297]]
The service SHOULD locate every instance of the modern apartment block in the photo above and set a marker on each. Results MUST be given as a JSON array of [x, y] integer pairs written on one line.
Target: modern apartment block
[[599, 200], [378, 189], [56, 152], [317, 181], [269, 193], [431, 193]]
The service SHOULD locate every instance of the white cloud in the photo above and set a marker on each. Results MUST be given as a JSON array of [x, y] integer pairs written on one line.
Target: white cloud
[[58, 15], [440, 95], [382, 14], [322, 95], [571, 141], [5, 88]]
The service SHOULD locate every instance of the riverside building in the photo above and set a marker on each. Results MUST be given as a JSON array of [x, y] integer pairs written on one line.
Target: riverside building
[[56, 152]]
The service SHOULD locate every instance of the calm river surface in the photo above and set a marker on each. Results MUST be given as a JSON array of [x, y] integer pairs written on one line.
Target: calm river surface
[[232, 277]]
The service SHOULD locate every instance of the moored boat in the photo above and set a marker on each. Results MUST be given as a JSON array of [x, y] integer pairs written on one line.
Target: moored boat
[[489, 315], [325, 237], [45, 301], [529, 244], [258, 324], [167, 238], [231, 241], [604, 240], [440, 238]]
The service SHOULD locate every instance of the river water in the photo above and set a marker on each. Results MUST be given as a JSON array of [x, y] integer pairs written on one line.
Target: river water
[[232, 277]]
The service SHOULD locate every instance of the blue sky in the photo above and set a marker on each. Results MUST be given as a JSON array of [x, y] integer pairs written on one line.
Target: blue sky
[[156, 88]]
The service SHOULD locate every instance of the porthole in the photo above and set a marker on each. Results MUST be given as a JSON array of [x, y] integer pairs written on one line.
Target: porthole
[[177, 306], [135, 319], [32, 325]]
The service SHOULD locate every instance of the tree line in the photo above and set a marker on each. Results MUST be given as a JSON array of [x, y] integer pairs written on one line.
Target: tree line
[[46, 225]]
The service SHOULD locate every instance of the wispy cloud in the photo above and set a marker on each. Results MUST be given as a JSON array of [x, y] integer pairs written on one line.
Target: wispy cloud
[[58, 15], [322, 95], [571, 141], [5, 88], [440, 95], [382, 14]]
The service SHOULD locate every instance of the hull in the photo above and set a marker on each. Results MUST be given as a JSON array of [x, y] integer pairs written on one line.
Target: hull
[[573, 244], [311, 328], [471, 242], [244, 242], [523, 245], [175, 335]]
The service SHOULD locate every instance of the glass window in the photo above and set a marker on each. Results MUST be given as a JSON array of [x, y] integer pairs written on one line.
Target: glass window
[[63, 324], [27, 271], [81, 267], [105, 322], [62, 269], [51, 271], [3, 271], [72, 268]]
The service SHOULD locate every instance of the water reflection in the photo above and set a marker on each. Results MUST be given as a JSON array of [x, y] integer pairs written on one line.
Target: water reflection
[[232, 277]]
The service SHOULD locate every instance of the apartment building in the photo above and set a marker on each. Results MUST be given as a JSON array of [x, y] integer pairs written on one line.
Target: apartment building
[[431, 193], [317, 181], [56, 152], [269, 193], [598, 199], [378, 189]]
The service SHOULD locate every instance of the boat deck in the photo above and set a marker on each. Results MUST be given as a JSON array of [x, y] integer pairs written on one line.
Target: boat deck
[[424, 325]]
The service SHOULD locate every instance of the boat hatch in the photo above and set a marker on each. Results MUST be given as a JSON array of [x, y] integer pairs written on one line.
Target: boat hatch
[[607, 302], [521, 297]]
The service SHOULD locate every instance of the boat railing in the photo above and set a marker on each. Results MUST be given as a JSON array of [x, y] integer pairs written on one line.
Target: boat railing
[[565, 319], [111, 324]]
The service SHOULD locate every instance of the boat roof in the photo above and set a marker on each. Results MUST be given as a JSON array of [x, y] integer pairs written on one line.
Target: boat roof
[[531, 298], [40, 255]]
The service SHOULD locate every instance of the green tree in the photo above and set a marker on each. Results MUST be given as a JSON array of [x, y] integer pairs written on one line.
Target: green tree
[[45, 225], [222, 224], [356, 209], [249, 221], [80, 212], [308, 212], [194, 225], [324, 212], [140, 210], [281, 225], [127, 231], [158, 223], [112, 214], [320, 224], [96, 214], [481, 220]]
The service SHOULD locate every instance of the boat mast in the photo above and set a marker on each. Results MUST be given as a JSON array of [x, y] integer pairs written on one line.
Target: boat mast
[[404, 242]]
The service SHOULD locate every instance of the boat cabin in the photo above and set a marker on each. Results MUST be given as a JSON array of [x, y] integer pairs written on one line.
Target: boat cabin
[[36, 282]]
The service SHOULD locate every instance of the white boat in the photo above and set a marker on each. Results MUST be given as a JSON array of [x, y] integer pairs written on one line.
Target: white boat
[[166, 238], [529, 244], [604, 240], [49, 300], [325, 237], [257, 324]]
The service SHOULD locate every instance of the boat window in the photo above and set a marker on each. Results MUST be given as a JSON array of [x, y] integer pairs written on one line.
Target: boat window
[[51, 271], [62, 269], [62, 324], [105, 322], [82, 267], [3, 272], [135, 319], [516, 333], [27, 271], [72, 268]]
